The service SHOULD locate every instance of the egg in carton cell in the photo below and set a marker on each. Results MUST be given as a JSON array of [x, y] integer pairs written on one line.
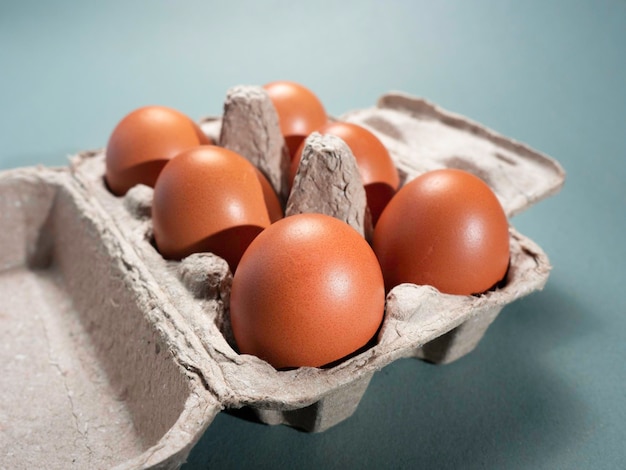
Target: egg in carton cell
[[419, 321]]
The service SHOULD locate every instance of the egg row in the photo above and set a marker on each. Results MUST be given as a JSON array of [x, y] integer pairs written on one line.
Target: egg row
[[308, 289]]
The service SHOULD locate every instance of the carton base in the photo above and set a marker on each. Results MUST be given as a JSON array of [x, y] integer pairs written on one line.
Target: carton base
[[65, 391], [87, 380], [323, 414], [459, 341]]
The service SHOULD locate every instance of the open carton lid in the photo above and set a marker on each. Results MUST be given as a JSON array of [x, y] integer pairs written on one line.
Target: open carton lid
[[421, 136]]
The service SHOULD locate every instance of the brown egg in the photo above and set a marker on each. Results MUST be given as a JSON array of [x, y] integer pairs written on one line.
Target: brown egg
[[308, 292], [379, 175], [447, 229], [143, 142], [208, 199], [274, 208], [300, 112]]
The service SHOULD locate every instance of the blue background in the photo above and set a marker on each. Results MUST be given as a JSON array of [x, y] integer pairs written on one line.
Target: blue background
[[546, 388]]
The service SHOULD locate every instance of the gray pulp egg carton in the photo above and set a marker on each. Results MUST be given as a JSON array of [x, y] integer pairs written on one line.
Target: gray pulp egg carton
[[115, 357]]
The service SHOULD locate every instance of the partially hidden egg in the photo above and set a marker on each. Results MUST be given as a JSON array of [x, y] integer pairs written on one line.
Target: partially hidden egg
[[307, 292], [378, 173], [299, 110], [274, 207], [208, 198], [143, 142], [446, 228]]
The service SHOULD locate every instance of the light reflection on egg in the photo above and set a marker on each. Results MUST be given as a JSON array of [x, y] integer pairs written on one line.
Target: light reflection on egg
[[307, 292], [446, 228], [143, 142]]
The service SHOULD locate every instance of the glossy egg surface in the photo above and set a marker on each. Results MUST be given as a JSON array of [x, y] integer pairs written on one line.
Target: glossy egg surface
[[143, 142], [308, 291], [208, 199], [446, 228]]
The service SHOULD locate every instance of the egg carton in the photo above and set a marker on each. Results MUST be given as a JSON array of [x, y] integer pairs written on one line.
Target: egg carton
[[115, 357]]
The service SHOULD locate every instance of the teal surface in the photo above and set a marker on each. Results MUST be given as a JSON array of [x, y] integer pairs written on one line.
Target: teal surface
[[546, 388]]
